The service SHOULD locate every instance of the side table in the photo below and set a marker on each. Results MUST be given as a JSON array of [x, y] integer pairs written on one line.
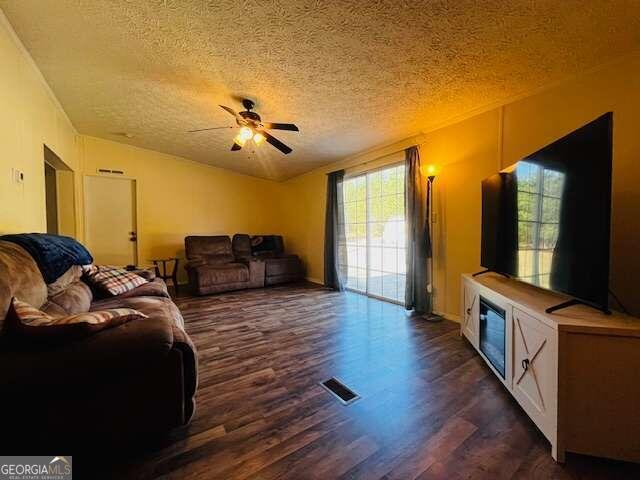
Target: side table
[[164, 273]]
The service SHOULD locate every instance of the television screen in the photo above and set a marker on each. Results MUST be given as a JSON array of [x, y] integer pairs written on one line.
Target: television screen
[[546, 220]]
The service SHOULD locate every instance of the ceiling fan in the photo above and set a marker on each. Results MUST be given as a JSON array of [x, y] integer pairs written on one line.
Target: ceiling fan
[[253, 128]]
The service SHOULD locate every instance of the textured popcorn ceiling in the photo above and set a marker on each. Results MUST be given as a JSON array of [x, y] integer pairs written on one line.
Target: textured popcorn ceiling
[[352, 74]]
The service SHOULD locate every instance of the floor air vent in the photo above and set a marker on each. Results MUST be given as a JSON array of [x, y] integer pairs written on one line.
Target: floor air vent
[[340, 390]]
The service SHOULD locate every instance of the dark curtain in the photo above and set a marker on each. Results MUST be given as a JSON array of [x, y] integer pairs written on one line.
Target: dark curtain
[[333, 231], [418, 236]]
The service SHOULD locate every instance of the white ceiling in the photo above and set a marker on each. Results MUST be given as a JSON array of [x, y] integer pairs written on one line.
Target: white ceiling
[[352, 74]]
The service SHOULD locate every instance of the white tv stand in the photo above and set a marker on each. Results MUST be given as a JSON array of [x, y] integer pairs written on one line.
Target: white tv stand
[[575, 372]]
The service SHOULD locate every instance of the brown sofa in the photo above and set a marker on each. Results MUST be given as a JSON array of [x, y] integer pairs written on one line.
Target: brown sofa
[[212, 266], [280, 267], [135, 379]]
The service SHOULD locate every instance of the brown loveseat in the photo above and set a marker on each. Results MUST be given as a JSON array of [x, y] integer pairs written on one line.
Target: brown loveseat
[[212, 266], [135, 379], [280, 267]]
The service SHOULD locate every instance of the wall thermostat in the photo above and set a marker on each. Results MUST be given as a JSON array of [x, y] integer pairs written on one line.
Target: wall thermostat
[[17, 175]]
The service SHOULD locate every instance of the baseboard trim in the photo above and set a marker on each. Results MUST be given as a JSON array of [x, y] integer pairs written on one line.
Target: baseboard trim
[[449, 316]]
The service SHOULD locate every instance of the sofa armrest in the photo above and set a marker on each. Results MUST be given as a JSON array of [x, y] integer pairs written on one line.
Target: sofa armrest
[[99, 357], [256, 271], [194, 263], [183, 343], [149, 274], [140, 380]]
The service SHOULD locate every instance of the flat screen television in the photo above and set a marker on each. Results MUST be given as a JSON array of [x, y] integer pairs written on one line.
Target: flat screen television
[[546, 220]]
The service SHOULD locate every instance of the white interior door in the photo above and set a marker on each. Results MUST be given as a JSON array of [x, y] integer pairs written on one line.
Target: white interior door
[[110, 220]]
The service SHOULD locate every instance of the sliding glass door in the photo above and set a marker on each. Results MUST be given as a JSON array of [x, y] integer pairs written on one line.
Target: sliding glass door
[[373, 246]]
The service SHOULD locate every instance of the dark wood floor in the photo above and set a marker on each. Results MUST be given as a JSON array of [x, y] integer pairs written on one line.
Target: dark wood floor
[[430, 408]]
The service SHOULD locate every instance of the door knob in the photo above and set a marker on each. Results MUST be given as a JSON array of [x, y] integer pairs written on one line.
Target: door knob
[[133, 236], [525, 364]]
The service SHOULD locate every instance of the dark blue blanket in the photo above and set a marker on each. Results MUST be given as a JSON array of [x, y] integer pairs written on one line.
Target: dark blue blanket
[[54, 254]]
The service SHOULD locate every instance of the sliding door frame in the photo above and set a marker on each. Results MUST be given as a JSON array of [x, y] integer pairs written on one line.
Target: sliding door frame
[[366, 174]]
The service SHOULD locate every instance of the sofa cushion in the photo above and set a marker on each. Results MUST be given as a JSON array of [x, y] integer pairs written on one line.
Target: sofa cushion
[[221, 274], [19, 277], [217, 259], [207, 245], [152, 307], [153, 288], [74, 299], [68, 278], [53, 309], [29, 322], [112, 280], [241, 244]]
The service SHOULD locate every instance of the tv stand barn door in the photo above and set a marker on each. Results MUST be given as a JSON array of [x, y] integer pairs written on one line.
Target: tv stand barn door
[[576, 372], [470, 314], [534, 370]]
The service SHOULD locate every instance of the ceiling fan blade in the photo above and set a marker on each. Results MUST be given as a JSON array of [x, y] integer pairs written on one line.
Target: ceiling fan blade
[[276, 143], [235, 147], [280, 126], [205, 129], [231, 111]]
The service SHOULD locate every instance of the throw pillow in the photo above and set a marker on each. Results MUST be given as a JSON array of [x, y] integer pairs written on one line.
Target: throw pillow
[[28, 321], [112, 280], [75, 299]]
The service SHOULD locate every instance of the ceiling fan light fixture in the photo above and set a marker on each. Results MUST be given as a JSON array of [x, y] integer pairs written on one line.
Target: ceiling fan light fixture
[[258, 138], [239, 140], [252, 127], [245, 134]]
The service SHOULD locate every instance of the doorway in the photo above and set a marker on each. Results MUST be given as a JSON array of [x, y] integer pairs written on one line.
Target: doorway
[[59, 195], [373, 247], [51, 198], [110, 220]]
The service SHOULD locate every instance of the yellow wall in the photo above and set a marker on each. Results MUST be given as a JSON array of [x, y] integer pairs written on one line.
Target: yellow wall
[[304, 221], [536, 121], [29, 118], [467, 153], [477, 147], [303, 205], [178, 197]]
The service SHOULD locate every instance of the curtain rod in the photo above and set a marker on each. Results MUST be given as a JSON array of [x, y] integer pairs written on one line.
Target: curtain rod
[[374, 159]]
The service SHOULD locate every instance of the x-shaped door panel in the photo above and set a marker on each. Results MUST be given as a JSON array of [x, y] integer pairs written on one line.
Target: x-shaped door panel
[[530, 351], [470, 314]]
